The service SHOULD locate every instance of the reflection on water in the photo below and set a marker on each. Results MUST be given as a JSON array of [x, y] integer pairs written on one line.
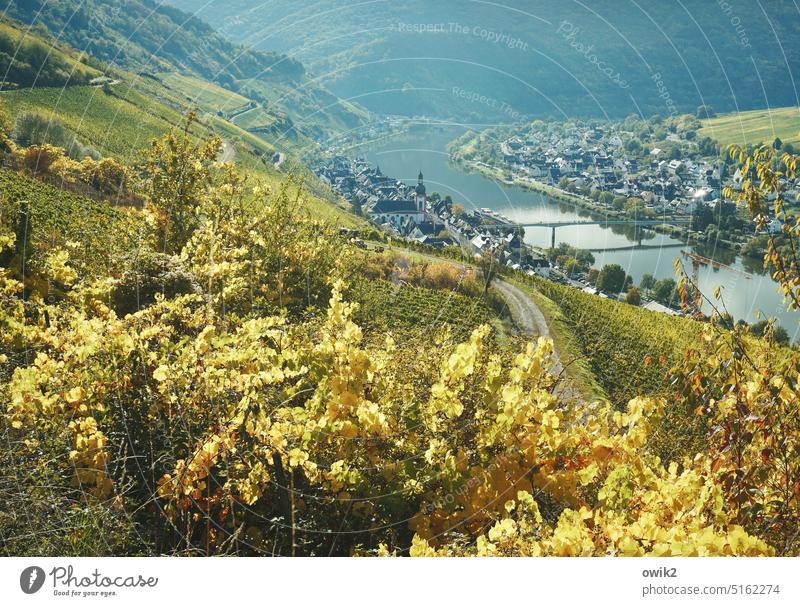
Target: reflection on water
[[747, 292]]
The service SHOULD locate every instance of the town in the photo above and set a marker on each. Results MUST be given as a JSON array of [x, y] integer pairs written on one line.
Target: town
[[634, 167], [624, 182], [408, 211]]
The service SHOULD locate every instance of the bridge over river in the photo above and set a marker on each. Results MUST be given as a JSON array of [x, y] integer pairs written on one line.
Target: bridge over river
[[553, 225]]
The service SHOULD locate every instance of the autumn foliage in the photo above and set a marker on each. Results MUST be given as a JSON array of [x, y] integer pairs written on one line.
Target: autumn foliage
[[249, 415]]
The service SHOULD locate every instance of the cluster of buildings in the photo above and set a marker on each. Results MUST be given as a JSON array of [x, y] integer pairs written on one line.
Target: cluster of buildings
[[594, 158], [410, 212]]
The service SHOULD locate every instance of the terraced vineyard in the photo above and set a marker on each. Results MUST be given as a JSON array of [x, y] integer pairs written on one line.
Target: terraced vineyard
[[118, 124], [58, 218], [121, 124], [384, 305], [617, 338], [206, 95]]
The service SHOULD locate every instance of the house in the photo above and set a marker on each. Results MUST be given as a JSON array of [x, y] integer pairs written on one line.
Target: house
[[774, 227], [702, 194]]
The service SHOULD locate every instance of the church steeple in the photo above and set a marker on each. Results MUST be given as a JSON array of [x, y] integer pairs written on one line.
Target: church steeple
[[420, 194]]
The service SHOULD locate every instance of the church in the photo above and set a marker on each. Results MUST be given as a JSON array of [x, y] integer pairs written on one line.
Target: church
[[403, 212]]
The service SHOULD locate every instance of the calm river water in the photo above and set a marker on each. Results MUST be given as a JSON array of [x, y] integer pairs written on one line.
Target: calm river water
[[424, 149]]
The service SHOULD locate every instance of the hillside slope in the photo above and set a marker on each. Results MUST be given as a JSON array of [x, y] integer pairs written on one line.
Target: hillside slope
[[146, 36], [119, 118], [754, 127], [484, 61]]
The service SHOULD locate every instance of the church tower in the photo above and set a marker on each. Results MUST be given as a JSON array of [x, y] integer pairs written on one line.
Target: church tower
[[419, 194]]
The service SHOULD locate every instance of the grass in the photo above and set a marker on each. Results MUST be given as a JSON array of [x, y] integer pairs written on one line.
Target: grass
[[119, 124], [576, 363], [206, 95], [754, 127]]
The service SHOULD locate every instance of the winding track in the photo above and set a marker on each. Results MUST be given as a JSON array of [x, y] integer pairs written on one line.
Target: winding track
[[527, 316]]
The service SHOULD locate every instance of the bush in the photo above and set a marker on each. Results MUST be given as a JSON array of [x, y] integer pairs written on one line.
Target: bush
[[107, 175], [666, 292], [146, 274], [33, 128], [37, 159], [633, 297]]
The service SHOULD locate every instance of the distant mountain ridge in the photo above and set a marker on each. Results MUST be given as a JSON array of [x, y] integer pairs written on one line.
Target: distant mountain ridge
[[509, 61]]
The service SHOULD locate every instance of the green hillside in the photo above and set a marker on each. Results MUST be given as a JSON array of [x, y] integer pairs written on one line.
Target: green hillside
[[117, 125], [754, 127], [151, 38], [121, 117], [26, 60]]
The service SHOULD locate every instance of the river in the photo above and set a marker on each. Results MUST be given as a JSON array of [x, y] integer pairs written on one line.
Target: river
[[746, 293]]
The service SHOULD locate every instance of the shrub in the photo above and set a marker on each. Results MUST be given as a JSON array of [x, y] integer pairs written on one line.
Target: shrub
[[147, 274], [37, 159]]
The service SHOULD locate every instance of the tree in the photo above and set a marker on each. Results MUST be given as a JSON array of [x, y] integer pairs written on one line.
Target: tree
[[488, 262], [619, 203], [584, 257], [647, 283], [706, 146], [606, 198], [635, 207], [32, 128], [768, 329], [701, 218], [565, 184], [665, 291], [572, 267], [611, 278], [633, 297], [633, 146], [777, 143], [705, 111]]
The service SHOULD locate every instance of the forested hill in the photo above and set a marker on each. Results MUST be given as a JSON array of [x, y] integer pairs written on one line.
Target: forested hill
[[142, 35], [505, 61], [149, 36]]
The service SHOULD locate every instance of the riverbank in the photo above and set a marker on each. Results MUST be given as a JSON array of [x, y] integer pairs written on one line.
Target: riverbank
[[585, 203], [427, 150]]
